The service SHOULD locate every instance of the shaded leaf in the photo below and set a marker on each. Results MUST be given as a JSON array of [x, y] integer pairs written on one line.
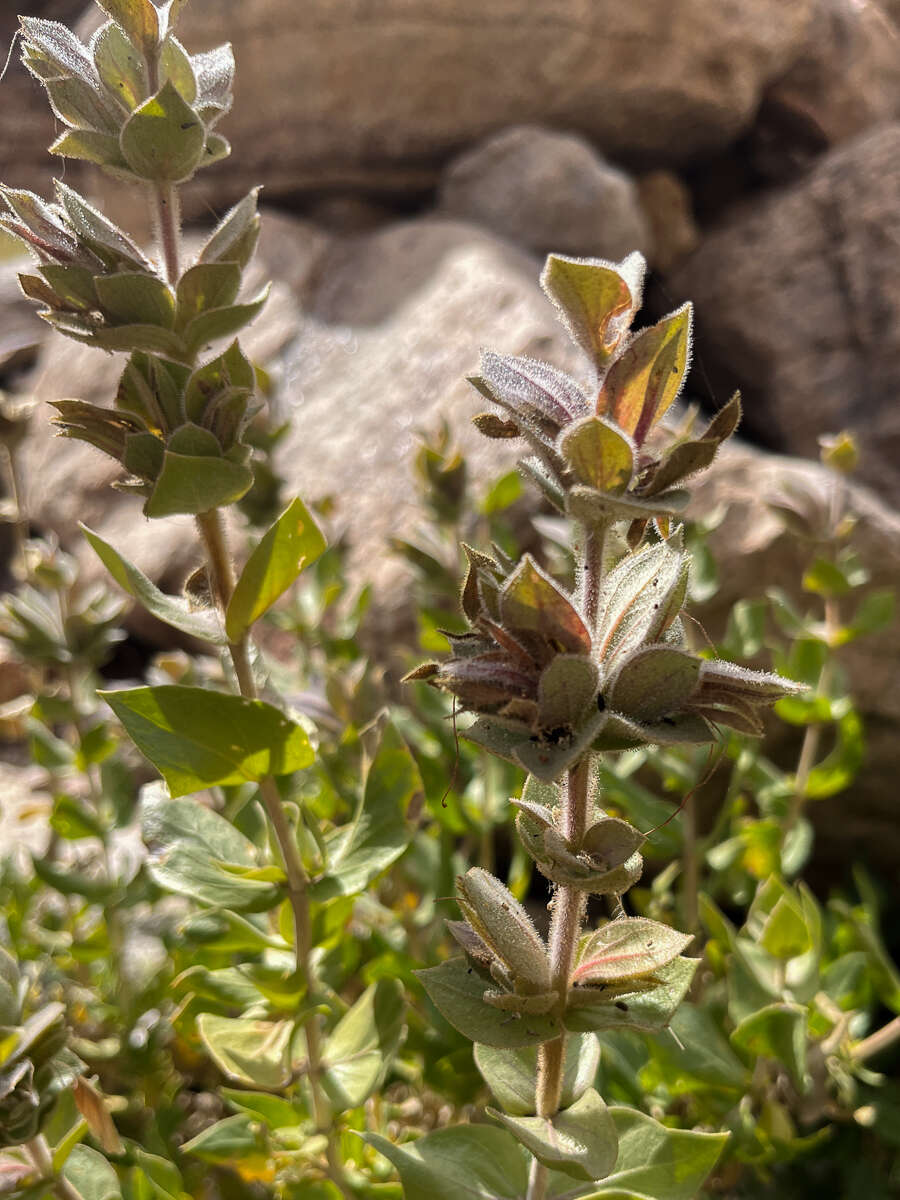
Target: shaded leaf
[[457, 990], [197, 738], [511, 1074], [359, 1050], [163, 138], [580, 1141]]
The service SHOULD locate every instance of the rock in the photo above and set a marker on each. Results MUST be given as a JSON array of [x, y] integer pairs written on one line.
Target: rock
[[753, 552], [798, 304], [845, 79], [335, 94], [546, 190], [21, 330], [667, 208]]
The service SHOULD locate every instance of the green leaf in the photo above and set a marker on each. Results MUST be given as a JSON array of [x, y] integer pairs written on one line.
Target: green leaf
[[170, 609], [120, 65], [197, 738], [206, 286], [824, 578], [90, 146], [626, 948], [645, 379], [777, 1032], [139, 19], [71, 820], [657, 1162], [457, 991], [91, 1175], [237, 1139], [224, 322], [785, 932], [235, 236], [133, 298], [163, 138], [876, 612], [699, 1058], [196, 484], [165, 1178], [293, 543], [598, 454], [359, 1050], [379, 832], [175, 64], [594, 300], [504, 492], [465, 1161], [252, 1052], [842, 764], [276, 1112], [645, 1011], [511, 1074], [82, 104], [654, 682], [580, 1141], [191, 849]]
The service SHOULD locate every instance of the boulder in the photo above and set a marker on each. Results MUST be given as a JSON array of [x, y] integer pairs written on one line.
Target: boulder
[[845, 79], [546, 191], [798, 304], [667, 207], [753, 552], [334, 94]]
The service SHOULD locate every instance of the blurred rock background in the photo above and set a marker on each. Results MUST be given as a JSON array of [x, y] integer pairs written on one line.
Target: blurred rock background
[[420, 156]]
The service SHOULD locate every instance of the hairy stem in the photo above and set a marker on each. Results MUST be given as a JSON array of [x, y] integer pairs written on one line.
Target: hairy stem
[[565, 927], [39, 1153], [168, 225], [222, 578], [690, 866]]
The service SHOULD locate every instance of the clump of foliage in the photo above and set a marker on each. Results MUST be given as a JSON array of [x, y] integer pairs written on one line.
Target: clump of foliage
[[248, 1000]]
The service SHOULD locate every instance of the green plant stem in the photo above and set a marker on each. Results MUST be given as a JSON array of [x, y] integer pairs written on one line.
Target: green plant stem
[[222, 575], [39, 1153], [168, 223], [690, 866], [565, 927], [880, 1040], [812, 737]]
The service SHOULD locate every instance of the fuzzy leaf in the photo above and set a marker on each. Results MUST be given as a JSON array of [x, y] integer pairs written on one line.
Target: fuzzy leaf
[[511, 1074], [654, 682], [133, 298], [110, 243], [204, 287], [163, 138], [530, 600], [218, 323], [626, 949], [532, 389], [235, 236], [195, 852], [90, 146], [293, 543], [197, 738], [646, 378], [778, 1032], [92, 1177], [359, 1050], [647, 1011], [138, 18], [686, 458], [82, 105], [465, 1162], [596, 301], [567, 687], [580, 1141], [640, 598], [655, 1161], [195, 484], [250, 1052], [120, 64], [457, 990], [598, 454], [172, 610]]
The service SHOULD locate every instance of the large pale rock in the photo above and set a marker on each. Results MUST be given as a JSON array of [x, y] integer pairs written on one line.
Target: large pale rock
[[798, 303], [547, 191], [350, 94]]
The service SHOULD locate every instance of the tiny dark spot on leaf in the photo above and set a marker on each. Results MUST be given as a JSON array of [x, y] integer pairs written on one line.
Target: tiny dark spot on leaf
[[621, 1006]]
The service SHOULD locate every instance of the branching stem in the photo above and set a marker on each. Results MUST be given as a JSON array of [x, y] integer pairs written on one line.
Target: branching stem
[[39, 1153]]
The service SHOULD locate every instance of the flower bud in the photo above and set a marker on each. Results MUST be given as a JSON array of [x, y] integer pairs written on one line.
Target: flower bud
[[505, 927]]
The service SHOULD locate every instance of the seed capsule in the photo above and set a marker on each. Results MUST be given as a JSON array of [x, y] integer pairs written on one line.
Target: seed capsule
[[501, 921]]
